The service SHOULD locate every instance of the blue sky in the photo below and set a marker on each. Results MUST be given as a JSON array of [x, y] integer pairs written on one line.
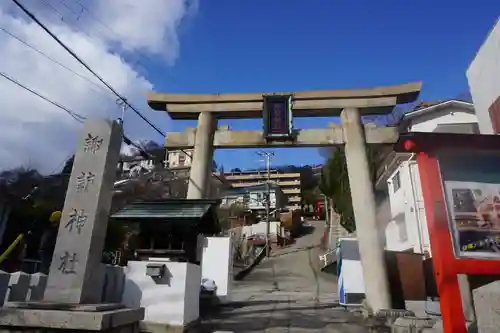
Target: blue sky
[[286, 45]]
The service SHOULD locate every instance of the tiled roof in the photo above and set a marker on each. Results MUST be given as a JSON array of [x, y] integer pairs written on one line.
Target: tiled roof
[[426, 104], [166, 209]]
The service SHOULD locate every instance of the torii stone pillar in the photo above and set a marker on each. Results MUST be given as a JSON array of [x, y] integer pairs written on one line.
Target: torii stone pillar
[[371, 247], [203, 155]]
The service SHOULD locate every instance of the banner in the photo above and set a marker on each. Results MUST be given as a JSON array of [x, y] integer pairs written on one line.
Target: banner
[[474, 215]]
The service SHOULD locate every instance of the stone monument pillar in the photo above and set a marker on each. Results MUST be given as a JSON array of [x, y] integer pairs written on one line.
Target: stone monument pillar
[[371, 247], [203, 155], [75, 270], [75, 284]]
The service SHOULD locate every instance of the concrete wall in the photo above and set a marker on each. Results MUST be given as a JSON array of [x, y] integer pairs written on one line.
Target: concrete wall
[[260, 228], [171, 300], [20, 286], [483, 76], [217, 265]]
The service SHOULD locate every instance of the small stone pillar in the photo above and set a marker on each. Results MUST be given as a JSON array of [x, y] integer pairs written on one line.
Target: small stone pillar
[[467, 300], [371, 247], [203, 155], [487, 307]]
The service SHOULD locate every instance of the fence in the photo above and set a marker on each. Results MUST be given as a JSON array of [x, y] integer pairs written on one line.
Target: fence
[[21, 287]]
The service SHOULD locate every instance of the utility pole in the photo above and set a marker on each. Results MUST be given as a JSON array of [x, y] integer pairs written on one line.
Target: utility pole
[[123, 107], [267, 156]]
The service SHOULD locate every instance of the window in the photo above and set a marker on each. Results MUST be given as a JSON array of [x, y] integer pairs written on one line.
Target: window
[[182, 158], [396, 182]]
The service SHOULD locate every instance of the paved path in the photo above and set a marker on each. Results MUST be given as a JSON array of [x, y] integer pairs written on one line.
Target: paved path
[[286, 294]]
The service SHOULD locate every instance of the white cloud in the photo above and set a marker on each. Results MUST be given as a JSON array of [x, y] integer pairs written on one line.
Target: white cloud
[[104, 33]]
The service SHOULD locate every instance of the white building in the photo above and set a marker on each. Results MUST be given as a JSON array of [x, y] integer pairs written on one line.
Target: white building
[[234, 196], [178, 158], [255, 197], [258, 194], [401, 214], [134, 166], [483, 75]]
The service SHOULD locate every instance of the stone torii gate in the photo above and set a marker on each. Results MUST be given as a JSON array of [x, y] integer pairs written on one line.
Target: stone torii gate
[[277, 111]]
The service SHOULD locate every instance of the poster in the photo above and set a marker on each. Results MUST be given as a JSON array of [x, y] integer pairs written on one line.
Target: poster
[[474, 215]]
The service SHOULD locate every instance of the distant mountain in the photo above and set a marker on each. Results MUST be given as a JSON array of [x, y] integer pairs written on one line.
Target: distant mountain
[[147, 145]]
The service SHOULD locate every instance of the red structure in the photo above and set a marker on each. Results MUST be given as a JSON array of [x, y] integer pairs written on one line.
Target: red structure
[[320, 205], [437, 155]]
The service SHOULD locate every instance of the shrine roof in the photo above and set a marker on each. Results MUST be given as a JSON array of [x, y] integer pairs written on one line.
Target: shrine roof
[[377, 100], [166, 209]]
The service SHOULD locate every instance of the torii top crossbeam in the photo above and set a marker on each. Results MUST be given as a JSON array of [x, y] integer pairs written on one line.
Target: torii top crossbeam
[[378, 100]]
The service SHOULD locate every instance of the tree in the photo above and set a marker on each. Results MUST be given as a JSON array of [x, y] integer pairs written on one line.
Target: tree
[[334, 183], [150, 145], [20, 182], [311, 195]]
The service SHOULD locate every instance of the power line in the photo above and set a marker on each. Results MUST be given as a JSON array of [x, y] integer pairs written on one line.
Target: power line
[[80, 118], [91, 13], [71, 9], [48, 4], [124, 103], [61, 17], [74, 115], [56, 62], [77, 58]]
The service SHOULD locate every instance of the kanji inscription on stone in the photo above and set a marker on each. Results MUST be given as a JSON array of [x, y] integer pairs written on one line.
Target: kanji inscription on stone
[[83, 180], [92, 143], [77, 219], [76, 273], [67, 264]]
